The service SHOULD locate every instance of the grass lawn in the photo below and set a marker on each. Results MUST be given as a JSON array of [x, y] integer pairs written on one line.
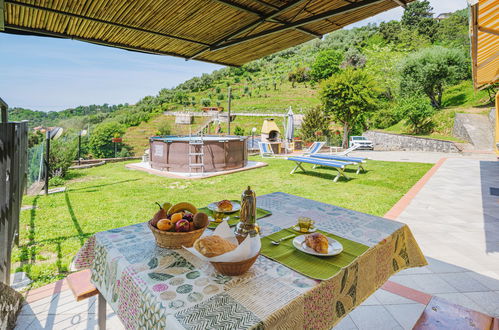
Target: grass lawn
[[112, 196]]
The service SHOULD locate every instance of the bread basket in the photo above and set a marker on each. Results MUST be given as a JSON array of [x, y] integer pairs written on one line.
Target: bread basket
[[235, 268], [175, 240]]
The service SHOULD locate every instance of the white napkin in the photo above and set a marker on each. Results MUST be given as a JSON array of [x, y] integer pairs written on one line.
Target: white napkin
[[246, 250]]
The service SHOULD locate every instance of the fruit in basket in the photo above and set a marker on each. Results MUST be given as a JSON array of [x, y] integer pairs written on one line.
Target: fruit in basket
[[166, 206], [161, 214], [188, 216], [200, 220], [176, 217], [184, 206], [165, 224], [182, 225]]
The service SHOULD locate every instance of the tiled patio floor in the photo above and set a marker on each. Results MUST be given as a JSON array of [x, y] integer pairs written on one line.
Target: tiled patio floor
[[454, 215]]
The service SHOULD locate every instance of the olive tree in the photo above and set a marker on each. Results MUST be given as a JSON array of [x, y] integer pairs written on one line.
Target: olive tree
[[430, 70], [348, 97]]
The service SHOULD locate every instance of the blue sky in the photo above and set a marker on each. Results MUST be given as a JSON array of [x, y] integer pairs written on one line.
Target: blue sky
[[54, 74]]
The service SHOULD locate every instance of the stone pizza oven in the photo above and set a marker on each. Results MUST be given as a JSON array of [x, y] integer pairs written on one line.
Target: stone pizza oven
[[270, 131]]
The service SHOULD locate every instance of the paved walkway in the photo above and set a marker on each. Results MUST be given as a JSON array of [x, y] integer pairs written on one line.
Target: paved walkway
[[454, 214]]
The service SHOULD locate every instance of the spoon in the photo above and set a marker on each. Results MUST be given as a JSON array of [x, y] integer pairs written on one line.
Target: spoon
[[282, 239]]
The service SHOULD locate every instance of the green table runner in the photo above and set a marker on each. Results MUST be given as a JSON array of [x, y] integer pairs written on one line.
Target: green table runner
[[233, 217], [321, 268]]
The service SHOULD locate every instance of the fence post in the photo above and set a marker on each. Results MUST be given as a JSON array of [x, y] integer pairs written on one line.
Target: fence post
[[3, 109]]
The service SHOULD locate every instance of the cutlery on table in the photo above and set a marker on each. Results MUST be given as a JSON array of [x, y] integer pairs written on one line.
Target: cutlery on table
[[283, 239]]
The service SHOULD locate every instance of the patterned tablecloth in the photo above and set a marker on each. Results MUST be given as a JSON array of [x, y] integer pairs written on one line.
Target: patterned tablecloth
[[152, 287]]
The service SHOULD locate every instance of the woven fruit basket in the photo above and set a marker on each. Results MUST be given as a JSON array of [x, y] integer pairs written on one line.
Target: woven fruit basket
[[175, 240], [234, 268]]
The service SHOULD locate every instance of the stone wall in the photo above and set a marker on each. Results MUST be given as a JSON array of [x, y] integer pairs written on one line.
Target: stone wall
[[388, 141], [10, 304], [460, 129]]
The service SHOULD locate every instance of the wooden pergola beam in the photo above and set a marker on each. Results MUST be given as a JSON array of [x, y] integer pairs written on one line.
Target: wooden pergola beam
[[2, 15], [292, 25], [250, 26], [106, 43], [55, 11], [261, 15], [400, 3]]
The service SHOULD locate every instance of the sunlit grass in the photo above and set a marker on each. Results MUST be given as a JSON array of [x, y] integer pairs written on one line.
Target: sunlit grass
[[112, 196]]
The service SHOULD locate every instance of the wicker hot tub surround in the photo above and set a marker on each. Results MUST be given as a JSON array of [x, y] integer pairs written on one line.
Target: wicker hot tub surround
[[197, 154]]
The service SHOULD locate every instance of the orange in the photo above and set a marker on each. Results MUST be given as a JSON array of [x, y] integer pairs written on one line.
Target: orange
[[165, 224], [177, 216]]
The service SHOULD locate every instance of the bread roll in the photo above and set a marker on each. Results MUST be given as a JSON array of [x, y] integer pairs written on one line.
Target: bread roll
[[225, 205], [212, 246], [318, 242]]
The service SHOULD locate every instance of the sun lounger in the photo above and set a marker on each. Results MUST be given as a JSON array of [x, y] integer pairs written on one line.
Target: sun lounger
[[347, 151], [314, 148], [338, 166], [358, 160], [266, 149]]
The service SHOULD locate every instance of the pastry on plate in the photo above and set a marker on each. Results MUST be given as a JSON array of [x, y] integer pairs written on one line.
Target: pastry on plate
[[224, 205], [212, 246], [318, 242]]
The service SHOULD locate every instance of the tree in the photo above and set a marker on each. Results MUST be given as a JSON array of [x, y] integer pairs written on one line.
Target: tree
[[315, 123], [100, 143], [454, 31], [417, 112], [205, 102], [419, 16], [430, 70], [299, 75], [390, 31], [326, 64], [348, 97]]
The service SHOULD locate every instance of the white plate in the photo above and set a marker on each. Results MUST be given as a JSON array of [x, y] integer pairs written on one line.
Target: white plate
[[235, 207], [333, 249], [311, 230]]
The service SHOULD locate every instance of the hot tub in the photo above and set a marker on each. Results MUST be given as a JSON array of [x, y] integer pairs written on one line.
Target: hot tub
[[186, 154]]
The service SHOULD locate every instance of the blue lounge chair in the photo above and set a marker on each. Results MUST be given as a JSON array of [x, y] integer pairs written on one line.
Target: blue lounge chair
[[338, 166], [266, 149], [314, 148], [357, 160]]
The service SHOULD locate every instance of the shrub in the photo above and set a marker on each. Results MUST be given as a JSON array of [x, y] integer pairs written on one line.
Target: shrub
[[100, 143], [238, 131], [315, 125], [417, 112], [62, 154], [164, 129], [205, 102], [56, 181]]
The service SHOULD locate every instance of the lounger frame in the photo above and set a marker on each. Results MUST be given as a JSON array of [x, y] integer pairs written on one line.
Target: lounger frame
[[339, 167]]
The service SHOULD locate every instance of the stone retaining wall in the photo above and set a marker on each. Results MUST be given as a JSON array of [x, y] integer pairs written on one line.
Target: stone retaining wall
[[459, 129], [388, 141]]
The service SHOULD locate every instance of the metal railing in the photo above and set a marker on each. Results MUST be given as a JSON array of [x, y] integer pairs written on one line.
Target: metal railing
[[13, 179]]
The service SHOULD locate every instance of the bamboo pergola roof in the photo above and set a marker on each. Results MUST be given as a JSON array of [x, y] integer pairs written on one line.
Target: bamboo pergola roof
[[485, 42], [227, 32]]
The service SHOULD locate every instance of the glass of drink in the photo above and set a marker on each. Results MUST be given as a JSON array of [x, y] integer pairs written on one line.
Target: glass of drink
[[305, 224]]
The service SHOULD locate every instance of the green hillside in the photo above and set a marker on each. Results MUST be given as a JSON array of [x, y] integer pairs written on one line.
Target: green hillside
[[294, 77]]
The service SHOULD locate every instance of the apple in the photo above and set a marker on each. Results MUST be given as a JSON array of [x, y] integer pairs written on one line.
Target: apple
[[182, 225]]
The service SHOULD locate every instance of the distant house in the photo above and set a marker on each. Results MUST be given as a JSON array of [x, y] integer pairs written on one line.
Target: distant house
[[443, 16]]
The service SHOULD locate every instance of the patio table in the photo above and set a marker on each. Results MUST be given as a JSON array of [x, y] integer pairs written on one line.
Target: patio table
[[152, 287]]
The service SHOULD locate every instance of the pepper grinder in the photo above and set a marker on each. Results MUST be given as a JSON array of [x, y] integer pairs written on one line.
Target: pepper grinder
[[247, 220]]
